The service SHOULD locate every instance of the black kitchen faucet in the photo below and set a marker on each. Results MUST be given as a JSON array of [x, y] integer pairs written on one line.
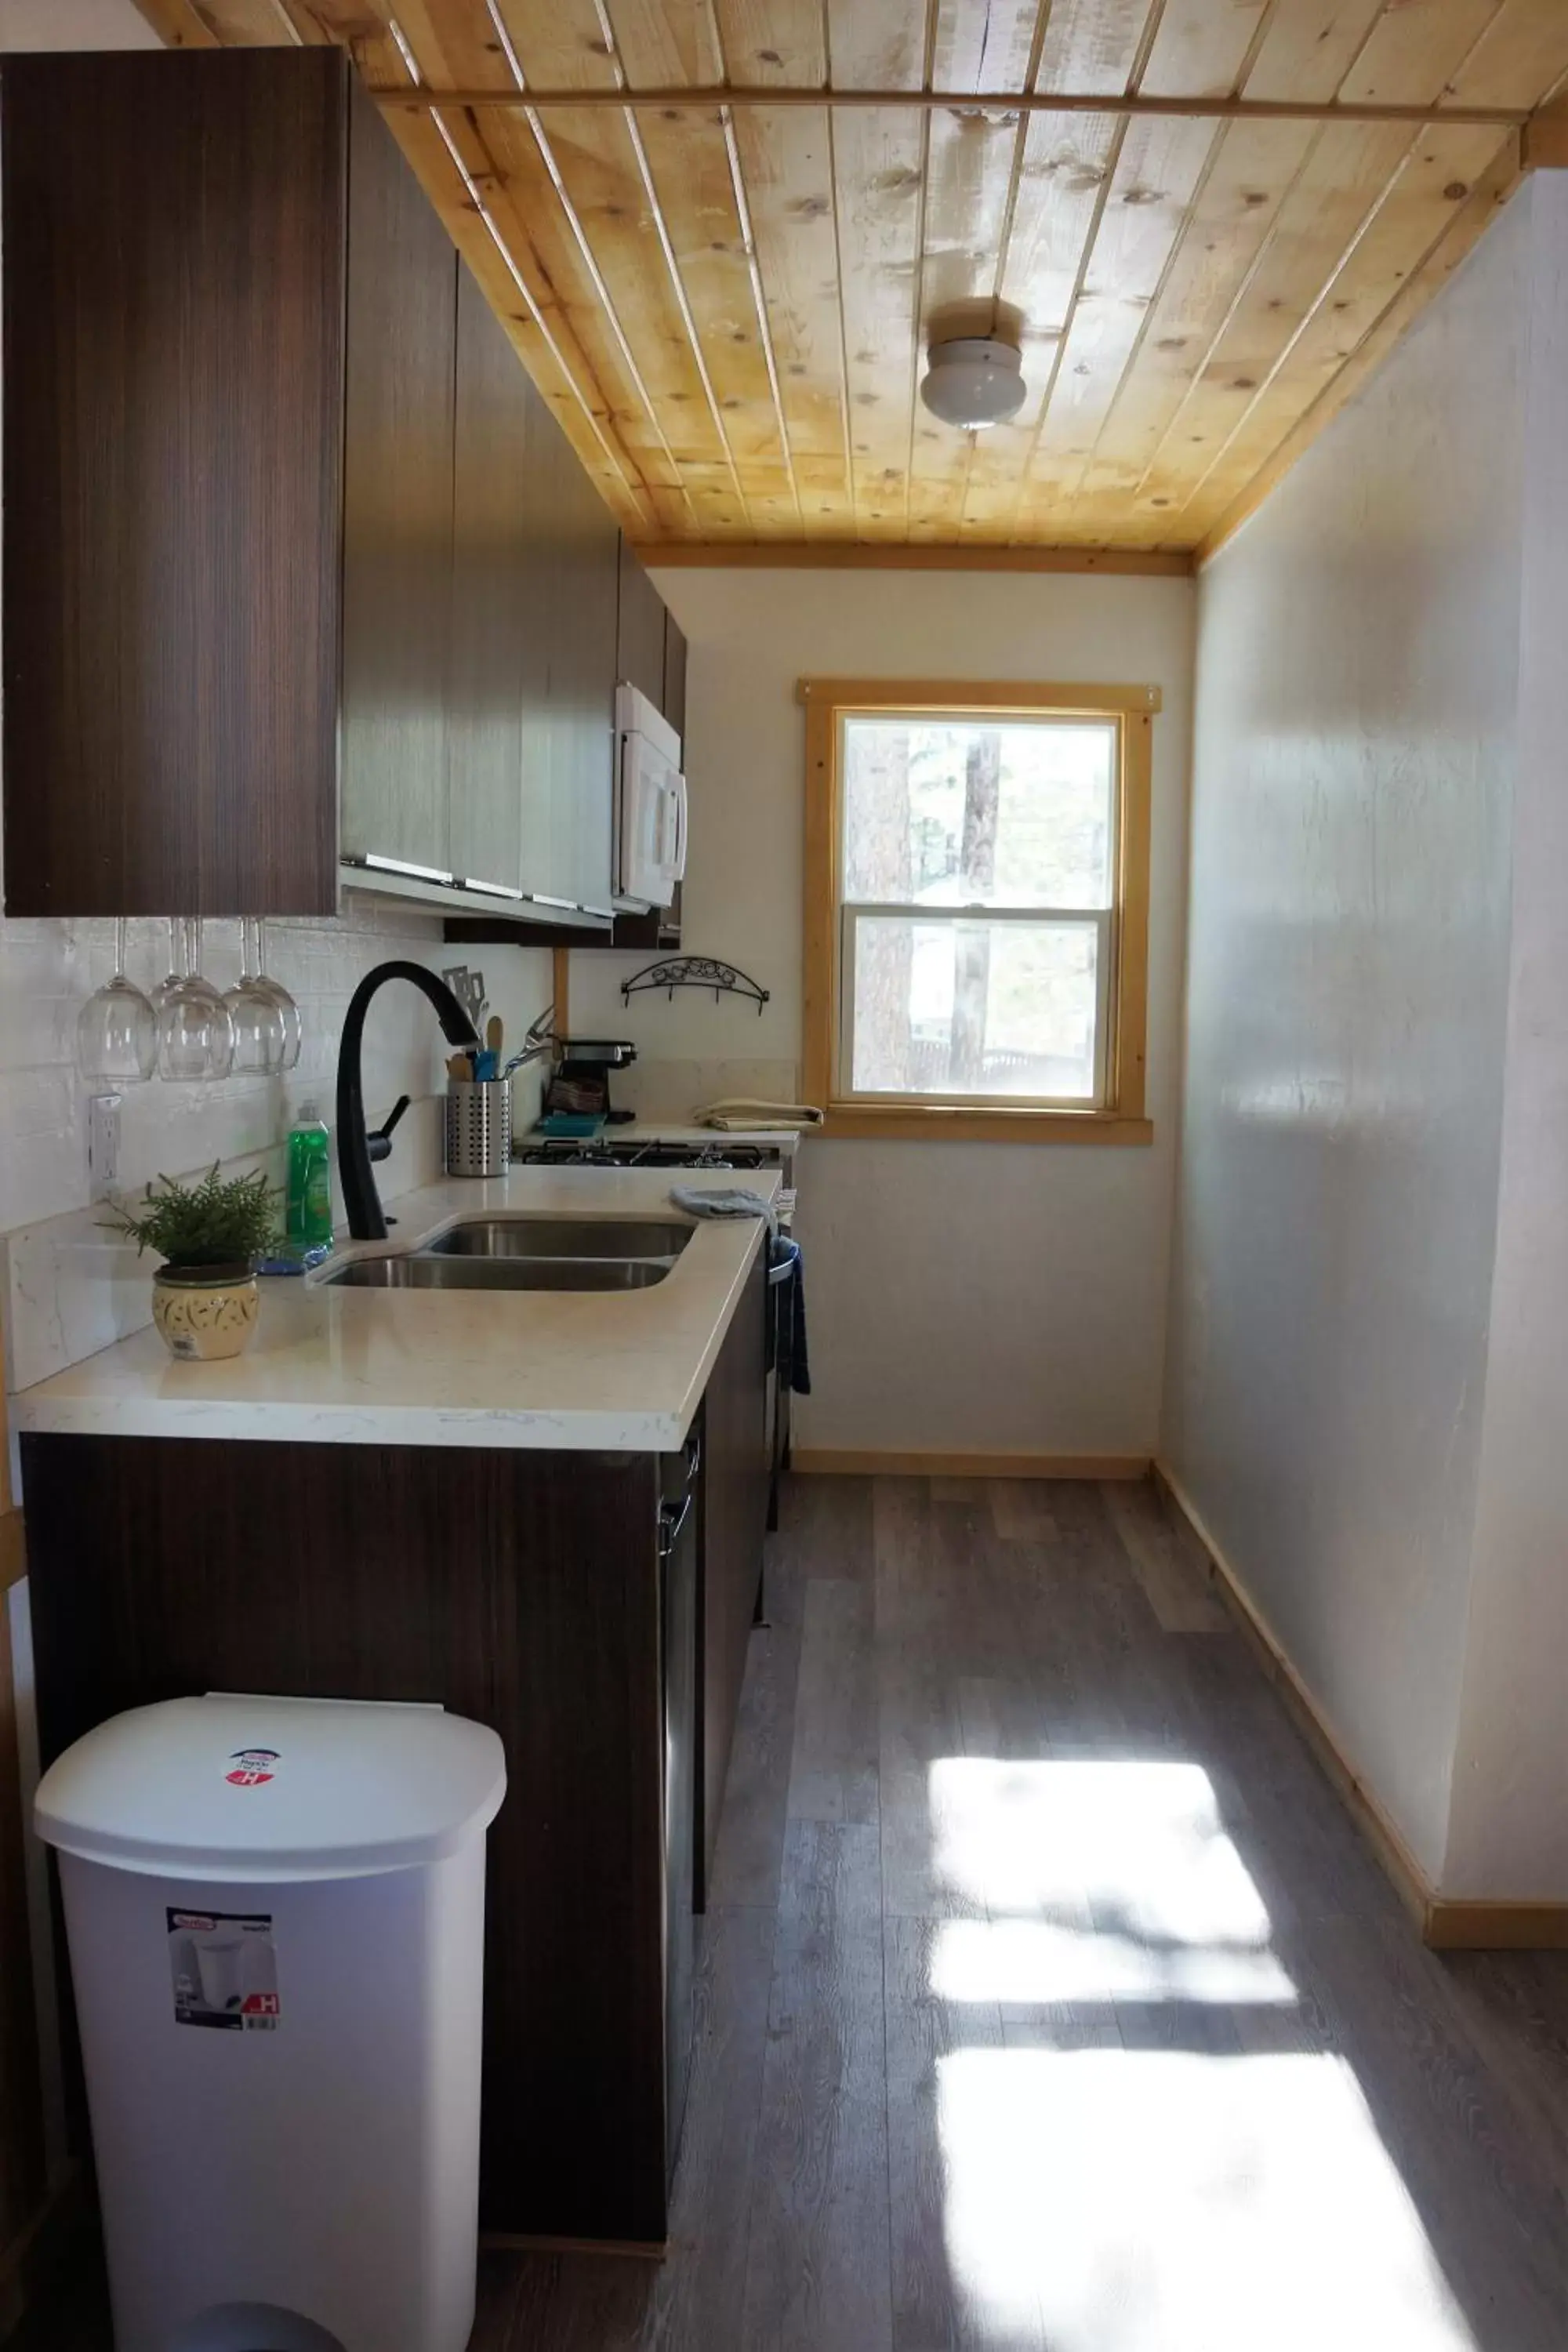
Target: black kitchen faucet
[[357, 1147]]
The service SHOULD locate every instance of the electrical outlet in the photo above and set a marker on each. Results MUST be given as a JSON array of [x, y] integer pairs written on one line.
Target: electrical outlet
[[102, 1147]]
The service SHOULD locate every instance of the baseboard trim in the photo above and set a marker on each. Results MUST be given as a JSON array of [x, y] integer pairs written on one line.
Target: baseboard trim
[[1398, 1862], [817, 1461], [1461, 1926], [1447, 1924]]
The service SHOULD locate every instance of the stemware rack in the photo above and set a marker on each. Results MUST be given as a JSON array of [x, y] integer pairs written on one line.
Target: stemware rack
[[184, 1029]]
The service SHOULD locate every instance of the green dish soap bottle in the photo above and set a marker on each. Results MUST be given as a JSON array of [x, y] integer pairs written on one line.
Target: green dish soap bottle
[[309, 1211]]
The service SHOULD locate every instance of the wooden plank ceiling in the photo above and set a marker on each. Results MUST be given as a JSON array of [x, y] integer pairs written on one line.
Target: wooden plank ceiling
[[726, 298]]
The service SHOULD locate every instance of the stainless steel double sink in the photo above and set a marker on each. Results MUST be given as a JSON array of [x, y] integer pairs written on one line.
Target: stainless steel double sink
[[526, 1252]]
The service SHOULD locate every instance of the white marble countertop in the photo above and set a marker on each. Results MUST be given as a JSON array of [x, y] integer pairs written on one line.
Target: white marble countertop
[[578, 1370]]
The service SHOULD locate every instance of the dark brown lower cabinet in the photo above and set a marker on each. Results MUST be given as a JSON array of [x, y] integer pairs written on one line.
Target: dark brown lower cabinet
[[735, 1519], [530, 1591], [681, 1578]]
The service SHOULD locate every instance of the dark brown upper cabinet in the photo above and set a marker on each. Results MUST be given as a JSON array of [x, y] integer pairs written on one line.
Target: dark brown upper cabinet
[[298, 566], [579, 626], [496, 669], [401, 641], [599, 621], [174, 287], [674, 703], [639, 636]]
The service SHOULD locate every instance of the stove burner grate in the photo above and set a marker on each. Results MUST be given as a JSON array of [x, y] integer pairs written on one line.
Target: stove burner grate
[[653, 1154]]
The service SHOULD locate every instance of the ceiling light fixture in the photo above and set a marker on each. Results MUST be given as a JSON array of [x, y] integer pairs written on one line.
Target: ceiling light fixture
[[973, 380]]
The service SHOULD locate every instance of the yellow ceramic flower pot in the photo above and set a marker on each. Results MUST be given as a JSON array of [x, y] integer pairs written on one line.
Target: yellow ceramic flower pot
[[204, 1312]]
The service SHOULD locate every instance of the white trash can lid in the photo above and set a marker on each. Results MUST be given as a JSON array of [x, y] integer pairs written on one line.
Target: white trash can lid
[[242, 1788]]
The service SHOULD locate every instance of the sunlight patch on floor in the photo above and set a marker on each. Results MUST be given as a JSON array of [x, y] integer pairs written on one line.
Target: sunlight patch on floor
[[1141, 2200], [1141, 1844], [1103, 2199], [1027, 1960]]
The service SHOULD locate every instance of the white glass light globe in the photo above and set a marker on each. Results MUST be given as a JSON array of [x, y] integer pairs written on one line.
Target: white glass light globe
[[973, 380]]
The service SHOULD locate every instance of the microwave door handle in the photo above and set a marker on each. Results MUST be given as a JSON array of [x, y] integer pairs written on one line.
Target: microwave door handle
[[679, 860], [620, 830]]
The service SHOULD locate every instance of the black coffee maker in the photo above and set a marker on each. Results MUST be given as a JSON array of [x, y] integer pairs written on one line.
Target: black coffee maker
[[580, 1082]]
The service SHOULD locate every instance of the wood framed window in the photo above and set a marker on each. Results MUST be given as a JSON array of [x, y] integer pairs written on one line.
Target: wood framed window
[[977, 908]]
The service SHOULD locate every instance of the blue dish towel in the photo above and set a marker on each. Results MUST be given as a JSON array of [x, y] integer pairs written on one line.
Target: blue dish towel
[[786, 1306], [794, 1364]]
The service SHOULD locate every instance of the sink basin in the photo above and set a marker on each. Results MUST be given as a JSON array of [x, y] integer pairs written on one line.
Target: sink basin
[[561, 1237], [499, 1273], [529, 1253]]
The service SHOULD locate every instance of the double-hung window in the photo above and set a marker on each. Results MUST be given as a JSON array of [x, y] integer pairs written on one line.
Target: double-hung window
[[977, 882]]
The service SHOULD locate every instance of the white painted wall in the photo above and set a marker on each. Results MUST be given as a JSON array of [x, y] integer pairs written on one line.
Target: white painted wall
[[1509, 1827], [962, 1297], [1365, 1422]]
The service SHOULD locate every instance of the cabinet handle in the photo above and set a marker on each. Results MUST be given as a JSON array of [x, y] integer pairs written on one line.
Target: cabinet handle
[[672, 1520], [401, 866], [491, 890], [543, 898]]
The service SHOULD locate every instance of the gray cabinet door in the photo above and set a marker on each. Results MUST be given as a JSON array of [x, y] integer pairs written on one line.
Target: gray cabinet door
[[640, 630], [594, 542], [549, 868], [491, 623], [569, 716], [674, 702], [397, 507]]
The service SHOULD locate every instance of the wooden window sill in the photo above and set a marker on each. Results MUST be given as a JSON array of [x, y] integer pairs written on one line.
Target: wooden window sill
[[852, 1122]]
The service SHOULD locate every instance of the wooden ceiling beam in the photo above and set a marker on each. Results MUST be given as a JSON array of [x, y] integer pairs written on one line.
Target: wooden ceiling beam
[[964, 101], [1544, 144], [177, 24], [908, 555]]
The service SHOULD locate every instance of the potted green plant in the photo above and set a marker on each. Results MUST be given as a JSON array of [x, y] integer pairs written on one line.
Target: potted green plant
[[209, 1235]]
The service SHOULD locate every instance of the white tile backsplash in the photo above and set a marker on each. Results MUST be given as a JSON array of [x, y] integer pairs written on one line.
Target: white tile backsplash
[[68, 1287]]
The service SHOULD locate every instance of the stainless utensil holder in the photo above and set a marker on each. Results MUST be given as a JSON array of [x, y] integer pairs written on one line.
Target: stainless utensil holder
[[478, 1126]]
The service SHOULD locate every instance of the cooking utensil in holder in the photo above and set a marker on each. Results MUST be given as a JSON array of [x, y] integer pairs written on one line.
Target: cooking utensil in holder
[[478, 1126]]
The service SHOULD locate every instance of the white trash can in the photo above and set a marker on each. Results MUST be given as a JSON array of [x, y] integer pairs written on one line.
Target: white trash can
[[276, 1915]]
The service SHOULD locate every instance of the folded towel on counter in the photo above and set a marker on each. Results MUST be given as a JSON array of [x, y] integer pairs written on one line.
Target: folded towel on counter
[[730, 1201], [739, 1112]]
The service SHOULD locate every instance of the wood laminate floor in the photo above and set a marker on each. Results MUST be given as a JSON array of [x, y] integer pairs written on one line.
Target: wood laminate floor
[[1049, 2003]]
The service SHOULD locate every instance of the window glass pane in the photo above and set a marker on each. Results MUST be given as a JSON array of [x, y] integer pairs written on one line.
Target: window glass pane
[[964, 812], [974, 1008]]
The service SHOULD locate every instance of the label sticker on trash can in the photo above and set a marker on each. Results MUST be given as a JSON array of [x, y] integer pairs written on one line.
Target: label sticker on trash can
[[252, 1768], [224, 1965]]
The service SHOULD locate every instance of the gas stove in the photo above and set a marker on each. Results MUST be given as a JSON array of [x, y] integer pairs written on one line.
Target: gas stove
[[603, 1153]]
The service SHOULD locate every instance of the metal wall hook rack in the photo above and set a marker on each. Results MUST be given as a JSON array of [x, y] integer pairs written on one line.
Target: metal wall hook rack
[[693, 971]]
